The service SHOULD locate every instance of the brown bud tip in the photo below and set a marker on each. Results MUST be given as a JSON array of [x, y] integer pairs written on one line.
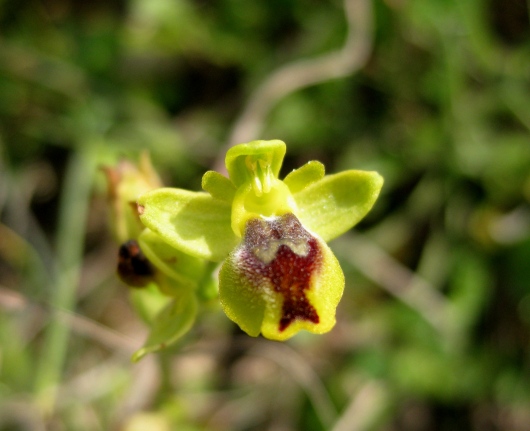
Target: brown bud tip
[[133, 267]]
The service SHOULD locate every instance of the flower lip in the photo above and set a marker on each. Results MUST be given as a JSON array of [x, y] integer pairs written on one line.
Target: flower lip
[[281, 256], [266, 235]]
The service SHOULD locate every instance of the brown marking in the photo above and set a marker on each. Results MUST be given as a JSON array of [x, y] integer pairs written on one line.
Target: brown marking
[[133, 267], [140, 209], [281, 253]]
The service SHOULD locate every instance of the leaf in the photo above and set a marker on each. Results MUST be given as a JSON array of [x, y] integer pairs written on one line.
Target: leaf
[[173, 321], [336, 203], [193, 222], [148, 301], [300, 178]]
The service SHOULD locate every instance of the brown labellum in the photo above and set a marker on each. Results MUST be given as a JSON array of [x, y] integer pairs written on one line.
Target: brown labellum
[[280, 254], [133, 267]]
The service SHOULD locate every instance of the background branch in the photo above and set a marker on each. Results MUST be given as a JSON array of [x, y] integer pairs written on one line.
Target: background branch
[[303, 73]]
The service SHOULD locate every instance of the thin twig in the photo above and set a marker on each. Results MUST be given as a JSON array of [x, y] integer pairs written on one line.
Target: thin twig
[[304, 375], [367, 404], [376, 264], [11, 301], [303, 73]]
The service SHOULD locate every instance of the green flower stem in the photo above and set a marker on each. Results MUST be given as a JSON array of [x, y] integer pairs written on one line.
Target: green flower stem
[[70, 242]]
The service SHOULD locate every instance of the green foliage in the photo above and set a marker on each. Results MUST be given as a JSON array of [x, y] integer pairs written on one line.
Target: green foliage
[[440, 109], [171, 323]]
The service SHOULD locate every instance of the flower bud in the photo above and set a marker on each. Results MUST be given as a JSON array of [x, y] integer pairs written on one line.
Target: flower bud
[[125, 183]]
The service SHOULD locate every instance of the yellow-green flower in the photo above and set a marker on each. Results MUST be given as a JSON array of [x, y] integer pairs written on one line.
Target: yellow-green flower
[[278, 276]]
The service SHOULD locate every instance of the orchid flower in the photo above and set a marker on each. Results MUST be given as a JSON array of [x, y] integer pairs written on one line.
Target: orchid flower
[[278, 275]]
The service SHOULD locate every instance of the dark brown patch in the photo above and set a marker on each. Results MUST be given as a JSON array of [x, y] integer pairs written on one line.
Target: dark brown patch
[[133, 267], [283, 254]]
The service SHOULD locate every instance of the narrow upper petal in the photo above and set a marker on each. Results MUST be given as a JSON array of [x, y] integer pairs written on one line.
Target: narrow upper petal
[[218, 186], [305, 175]]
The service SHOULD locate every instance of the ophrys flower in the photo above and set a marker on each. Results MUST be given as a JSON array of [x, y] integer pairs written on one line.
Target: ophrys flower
[[278, 275]]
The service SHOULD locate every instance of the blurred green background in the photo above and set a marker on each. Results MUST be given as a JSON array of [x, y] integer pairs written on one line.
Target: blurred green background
[[433, 331]]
